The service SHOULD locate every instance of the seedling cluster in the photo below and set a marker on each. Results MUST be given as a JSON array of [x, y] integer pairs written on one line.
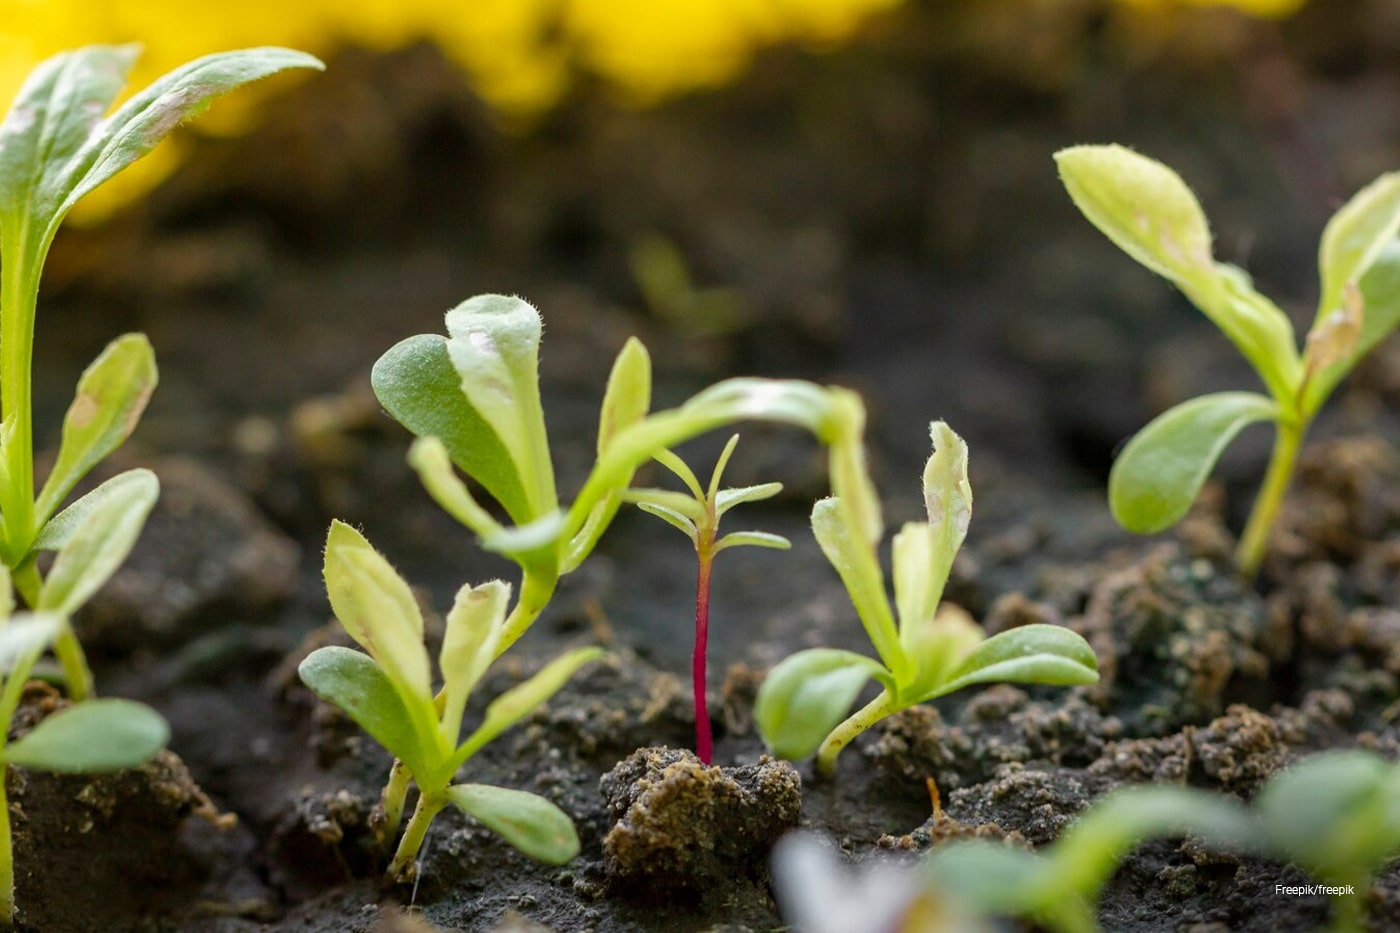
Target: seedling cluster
[[472, 399]]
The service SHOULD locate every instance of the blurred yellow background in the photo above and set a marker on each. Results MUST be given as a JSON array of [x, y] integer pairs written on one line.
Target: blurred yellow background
[[519, 53]]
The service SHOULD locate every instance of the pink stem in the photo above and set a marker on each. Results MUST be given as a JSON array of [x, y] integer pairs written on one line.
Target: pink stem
[[704, 743]]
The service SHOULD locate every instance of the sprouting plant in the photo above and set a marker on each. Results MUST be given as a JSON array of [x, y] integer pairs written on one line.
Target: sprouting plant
[[1147, 210], [697, 515], [925, 650], [85, 738], [55, 147], [473, 399], [1336, 815], [1059, 886], [389, 693]]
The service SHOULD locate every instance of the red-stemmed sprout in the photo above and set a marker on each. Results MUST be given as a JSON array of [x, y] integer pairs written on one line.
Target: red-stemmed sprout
[[698, 515]]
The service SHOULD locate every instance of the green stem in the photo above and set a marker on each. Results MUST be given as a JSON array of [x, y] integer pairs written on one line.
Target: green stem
[[865, 717], [9, 702], [1255, 539], [19, 297], [1349, 910], [392, 801], [76, 673], [427, 808], [535, 593]]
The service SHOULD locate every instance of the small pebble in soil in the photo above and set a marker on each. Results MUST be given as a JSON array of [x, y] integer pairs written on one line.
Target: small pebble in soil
[[681, 827]]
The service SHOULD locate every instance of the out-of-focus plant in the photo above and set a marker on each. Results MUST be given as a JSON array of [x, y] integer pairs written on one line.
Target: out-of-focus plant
[[697, 515], [56, 146], [85, 738], [924, 650], [1148, 211]]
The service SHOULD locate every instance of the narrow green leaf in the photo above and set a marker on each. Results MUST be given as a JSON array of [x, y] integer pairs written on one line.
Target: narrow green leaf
[[753, 539], [377, 609], [92, 737], [417, 384], [1028, 654], [683, 472], [527, 821], [670, 516], [494, 344], [627, 398], [352, 682], [808, 694], [679, 502], [916, 592], [1161, 470], [152, 114], [1355, 236], [100, 540], [110, 398], [519, 701], [473, 631], [726, 499], [428, 457], [859, 569]]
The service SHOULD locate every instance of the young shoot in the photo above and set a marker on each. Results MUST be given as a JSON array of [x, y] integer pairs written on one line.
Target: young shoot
[[55, 147], [389, 693], [473, 400], [85, 738], [1058, 888], [1147, 210], [923, 650], [1337, 816], [697, 515]]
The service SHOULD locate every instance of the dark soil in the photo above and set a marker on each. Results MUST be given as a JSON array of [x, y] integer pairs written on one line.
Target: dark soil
[[885, 216]]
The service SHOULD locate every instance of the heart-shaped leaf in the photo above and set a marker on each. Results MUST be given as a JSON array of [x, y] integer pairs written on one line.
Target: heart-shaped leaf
[[527, 821], [808, 694], [110, 398], [92, 737], [1161, 470]]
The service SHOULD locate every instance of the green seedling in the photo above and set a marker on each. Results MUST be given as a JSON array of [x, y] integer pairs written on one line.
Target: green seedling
[[930, 651], [1337, 816], [85, 738], [389, 693], [1058, 887], [55, 147], [697, 515], [1147, 210], [473, 399]]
